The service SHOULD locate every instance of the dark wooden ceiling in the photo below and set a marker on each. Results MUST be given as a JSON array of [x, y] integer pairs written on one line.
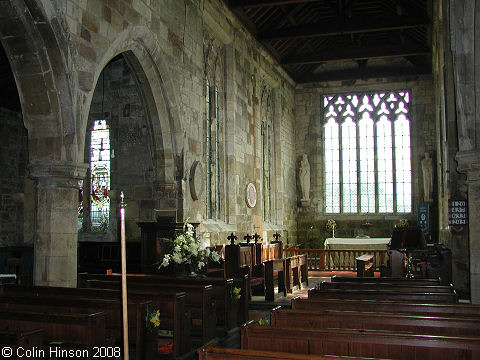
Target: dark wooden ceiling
[[323, 40]]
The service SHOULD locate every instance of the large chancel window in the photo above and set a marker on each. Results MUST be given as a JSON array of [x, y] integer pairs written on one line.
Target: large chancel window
[[99, 176], [367, 153]]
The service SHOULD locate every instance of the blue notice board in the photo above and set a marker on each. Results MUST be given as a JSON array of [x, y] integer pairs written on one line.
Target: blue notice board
[[422, 217]]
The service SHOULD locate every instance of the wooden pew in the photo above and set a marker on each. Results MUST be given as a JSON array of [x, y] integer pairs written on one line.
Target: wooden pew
[[404, 287], [443, 310], [81, 332], [26, 339], [365, 266], [211, 352], [297, 272], [271, 268], [230, 313], [407, 296], [174, 317], [336, 278], [368, 343], [426, 325], [198, 300], [112, 307]]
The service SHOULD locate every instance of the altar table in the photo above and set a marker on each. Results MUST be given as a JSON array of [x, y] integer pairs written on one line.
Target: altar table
[[362, 243], [346, 260]]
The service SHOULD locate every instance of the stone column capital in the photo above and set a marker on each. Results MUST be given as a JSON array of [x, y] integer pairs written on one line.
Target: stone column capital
[[57, 173], [469, 164]]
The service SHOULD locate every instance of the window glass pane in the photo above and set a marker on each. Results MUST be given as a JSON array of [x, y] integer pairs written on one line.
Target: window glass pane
[[349, 166], [403, 180], [371, 174], [367, 165], [332, 167], [208, 150], [100, 175], [384, 165]]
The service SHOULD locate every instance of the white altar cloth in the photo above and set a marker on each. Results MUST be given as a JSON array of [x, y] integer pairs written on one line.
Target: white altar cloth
[[357, 243], [346, 261]]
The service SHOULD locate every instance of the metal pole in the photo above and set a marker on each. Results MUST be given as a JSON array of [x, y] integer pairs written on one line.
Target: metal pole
[[124, 278]]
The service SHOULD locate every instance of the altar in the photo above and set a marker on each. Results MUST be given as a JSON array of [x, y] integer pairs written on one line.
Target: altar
[[358, 243], [341, 252]]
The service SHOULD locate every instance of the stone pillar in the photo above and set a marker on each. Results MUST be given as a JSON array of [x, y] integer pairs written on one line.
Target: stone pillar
[[55, 244], [469, 164]]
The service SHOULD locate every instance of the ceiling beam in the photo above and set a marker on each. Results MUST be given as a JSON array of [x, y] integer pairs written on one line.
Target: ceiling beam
[[341, 26], [356, 53], [364, 73], [236, 4]]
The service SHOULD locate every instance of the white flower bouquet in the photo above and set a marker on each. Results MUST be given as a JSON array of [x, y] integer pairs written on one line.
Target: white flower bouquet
[[186, 251]]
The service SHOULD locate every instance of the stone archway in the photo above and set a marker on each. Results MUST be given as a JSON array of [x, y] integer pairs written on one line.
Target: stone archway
[[40, 65], [140, 49]]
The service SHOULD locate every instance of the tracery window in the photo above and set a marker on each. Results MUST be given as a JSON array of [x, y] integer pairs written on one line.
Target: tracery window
[[267, 169], [267, 147], [367, 153], [212, 145]]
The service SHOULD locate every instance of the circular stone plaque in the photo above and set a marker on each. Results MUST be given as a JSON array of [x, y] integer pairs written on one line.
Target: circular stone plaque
[[251, 195], [196, 180]]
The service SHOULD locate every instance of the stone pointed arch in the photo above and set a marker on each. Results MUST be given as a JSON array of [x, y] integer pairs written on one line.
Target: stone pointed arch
[[39, 60], [142, 53]]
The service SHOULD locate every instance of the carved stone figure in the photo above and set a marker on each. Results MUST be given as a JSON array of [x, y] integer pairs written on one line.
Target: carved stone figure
[[427, 170], [304, 177]]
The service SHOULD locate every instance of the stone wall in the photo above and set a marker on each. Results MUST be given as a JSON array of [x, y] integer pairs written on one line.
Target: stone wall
[[175, 36], [13, 160], [309, 135]]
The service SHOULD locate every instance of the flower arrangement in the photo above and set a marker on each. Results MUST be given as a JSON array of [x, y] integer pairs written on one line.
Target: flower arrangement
[[265, 321], [236, 293], [152, 318], [186, 251], [402, 223], [331, 225]]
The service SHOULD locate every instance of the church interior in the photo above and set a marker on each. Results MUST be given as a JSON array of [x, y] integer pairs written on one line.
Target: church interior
[[189, 164]]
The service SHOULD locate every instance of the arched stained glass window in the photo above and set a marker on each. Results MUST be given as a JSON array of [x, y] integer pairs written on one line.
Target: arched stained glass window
[[368, 158], [99, 176]]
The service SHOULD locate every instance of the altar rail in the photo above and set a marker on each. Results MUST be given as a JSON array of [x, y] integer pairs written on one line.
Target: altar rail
[[339, 260]]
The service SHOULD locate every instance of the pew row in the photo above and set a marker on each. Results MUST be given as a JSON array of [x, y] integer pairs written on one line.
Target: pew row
[[385, 306], [230, 313], [367, 343], [174, 318], [404, 287], [198, 300], [113, 309], [337, 278], [81, 332], [417, 324], [395, 295], [211, 352], [26, 339]]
